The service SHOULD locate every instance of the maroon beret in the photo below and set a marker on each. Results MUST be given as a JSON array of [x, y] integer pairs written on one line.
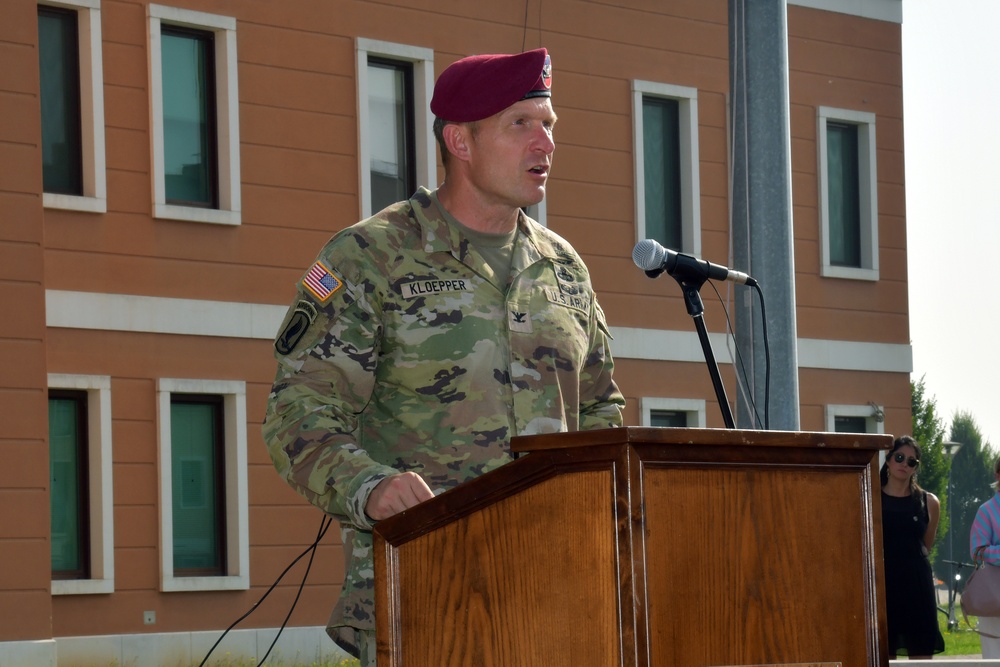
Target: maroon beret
[[477, 87]]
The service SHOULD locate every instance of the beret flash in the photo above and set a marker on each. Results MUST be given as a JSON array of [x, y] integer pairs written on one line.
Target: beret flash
[[477, 87]]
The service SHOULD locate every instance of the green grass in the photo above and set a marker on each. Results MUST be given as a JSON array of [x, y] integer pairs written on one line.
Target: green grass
[[961, 640], [351, 662]]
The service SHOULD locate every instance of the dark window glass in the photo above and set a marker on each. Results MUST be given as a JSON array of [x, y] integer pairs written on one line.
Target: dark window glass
[[198, 484], [850, 425], [59, 79], [393, 148], [662, 169], [190, 134], [675, 418], [843, 194], [68, 491]]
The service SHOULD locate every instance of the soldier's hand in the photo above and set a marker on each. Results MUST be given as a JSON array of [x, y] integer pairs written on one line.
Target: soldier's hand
[[397, 493]]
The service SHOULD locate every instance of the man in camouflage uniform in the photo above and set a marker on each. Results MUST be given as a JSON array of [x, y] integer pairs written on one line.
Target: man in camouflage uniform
[[424, 338]]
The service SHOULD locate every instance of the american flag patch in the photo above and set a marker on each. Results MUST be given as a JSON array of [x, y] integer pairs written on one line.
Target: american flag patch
[[321, 282]]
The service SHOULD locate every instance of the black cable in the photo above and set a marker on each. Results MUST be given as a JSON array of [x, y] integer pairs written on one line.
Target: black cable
[[739, 358], [324, 525], [767, 361]]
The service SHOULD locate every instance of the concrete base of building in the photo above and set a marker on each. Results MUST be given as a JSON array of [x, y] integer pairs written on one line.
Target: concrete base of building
[[295, 646]]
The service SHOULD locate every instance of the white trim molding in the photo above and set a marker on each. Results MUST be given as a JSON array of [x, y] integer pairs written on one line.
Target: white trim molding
[[694, 407], [867, 192], [874, 416], [881, 10], [237, 524], [95, 189], [100, 485], [227, 115], [422, 61], [125, 312], [687, 99]]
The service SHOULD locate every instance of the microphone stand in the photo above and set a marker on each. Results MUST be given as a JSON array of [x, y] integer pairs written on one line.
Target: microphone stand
[[691, 286]]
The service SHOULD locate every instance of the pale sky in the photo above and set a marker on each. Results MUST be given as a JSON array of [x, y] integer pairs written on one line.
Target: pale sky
[[951, 117]]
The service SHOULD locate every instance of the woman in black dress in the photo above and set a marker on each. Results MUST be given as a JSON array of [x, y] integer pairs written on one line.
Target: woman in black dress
[[909, 522]]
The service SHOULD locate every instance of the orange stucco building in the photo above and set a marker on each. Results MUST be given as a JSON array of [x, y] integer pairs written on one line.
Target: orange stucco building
[[128, 298]]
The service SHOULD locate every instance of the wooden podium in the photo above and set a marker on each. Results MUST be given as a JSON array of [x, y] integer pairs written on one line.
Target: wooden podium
[[644, 546]]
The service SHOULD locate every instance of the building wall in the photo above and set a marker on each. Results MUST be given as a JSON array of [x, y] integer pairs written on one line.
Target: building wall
[[299, 172], [24, 501]]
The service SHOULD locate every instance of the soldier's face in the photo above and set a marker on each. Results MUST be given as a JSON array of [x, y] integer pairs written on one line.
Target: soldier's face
[[511, 153]]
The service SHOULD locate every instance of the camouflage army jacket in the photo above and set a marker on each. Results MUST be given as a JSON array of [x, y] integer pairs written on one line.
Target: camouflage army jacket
[[401, 353]]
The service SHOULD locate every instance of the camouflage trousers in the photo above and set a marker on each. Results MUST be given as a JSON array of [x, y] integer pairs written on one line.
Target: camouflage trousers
[[366, 644]]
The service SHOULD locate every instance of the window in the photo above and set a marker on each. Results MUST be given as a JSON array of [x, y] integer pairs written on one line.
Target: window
[[198, 459], [668, 418], [189, 128], [848, 207], [397, 147], [665, 138], [673, 412], [80, 484], [59, 79], [204, 536], [662, 170], [854, 418], [68, 476], [850, 424], [195, 116], [72, 105], [390, 106]]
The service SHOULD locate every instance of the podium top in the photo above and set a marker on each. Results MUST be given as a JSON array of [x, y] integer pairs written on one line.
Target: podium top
[[703, 437]]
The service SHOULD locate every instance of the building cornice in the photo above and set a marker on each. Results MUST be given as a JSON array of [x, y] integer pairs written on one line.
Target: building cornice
[[881, 10]]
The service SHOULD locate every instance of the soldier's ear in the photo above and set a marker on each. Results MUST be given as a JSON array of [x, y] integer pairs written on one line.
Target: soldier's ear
[[457, 138]]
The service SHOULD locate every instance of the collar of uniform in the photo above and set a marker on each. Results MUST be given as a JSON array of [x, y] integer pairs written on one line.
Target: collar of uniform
[[436, 235]]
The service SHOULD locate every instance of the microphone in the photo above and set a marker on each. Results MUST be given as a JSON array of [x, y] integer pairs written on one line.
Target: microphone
[[654, 259]]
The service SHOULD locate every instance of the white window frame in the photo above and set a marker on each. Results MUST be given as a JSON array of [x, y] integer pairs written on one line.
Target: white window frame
[[874, 416], [687, 99], [227, 115], [868, 189], [95, 188], [694, 407], [422, 60], [99, 485], [237, 499]]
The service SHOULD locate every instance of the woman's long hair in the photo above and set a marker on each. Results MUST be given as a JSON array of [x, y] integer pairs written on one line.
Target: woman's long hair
[[915, 489]]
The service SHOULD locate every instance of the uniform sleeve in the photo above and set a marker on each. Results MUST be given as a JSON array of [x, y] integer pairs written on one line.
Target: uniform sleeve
[[327, 353], [601, 402], [984, 531]]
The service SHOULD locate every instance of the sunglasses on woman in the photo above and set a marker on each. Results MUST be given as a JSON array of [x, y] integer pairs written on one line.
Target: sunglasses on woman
[[899, 458]]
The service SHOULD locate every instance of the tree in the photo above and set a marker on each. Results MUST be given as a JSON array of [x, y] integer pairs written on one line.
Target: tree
[[971, 479], [928, 431]]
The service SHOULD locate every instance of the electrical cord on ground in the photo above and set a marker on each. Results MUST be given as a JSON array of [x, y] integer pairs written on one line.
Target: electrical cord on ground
[[324, 524]]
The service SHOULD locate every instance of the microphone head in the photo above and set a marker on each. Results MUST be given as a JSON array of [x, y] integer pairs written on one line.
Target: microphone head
[[648, 255]]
